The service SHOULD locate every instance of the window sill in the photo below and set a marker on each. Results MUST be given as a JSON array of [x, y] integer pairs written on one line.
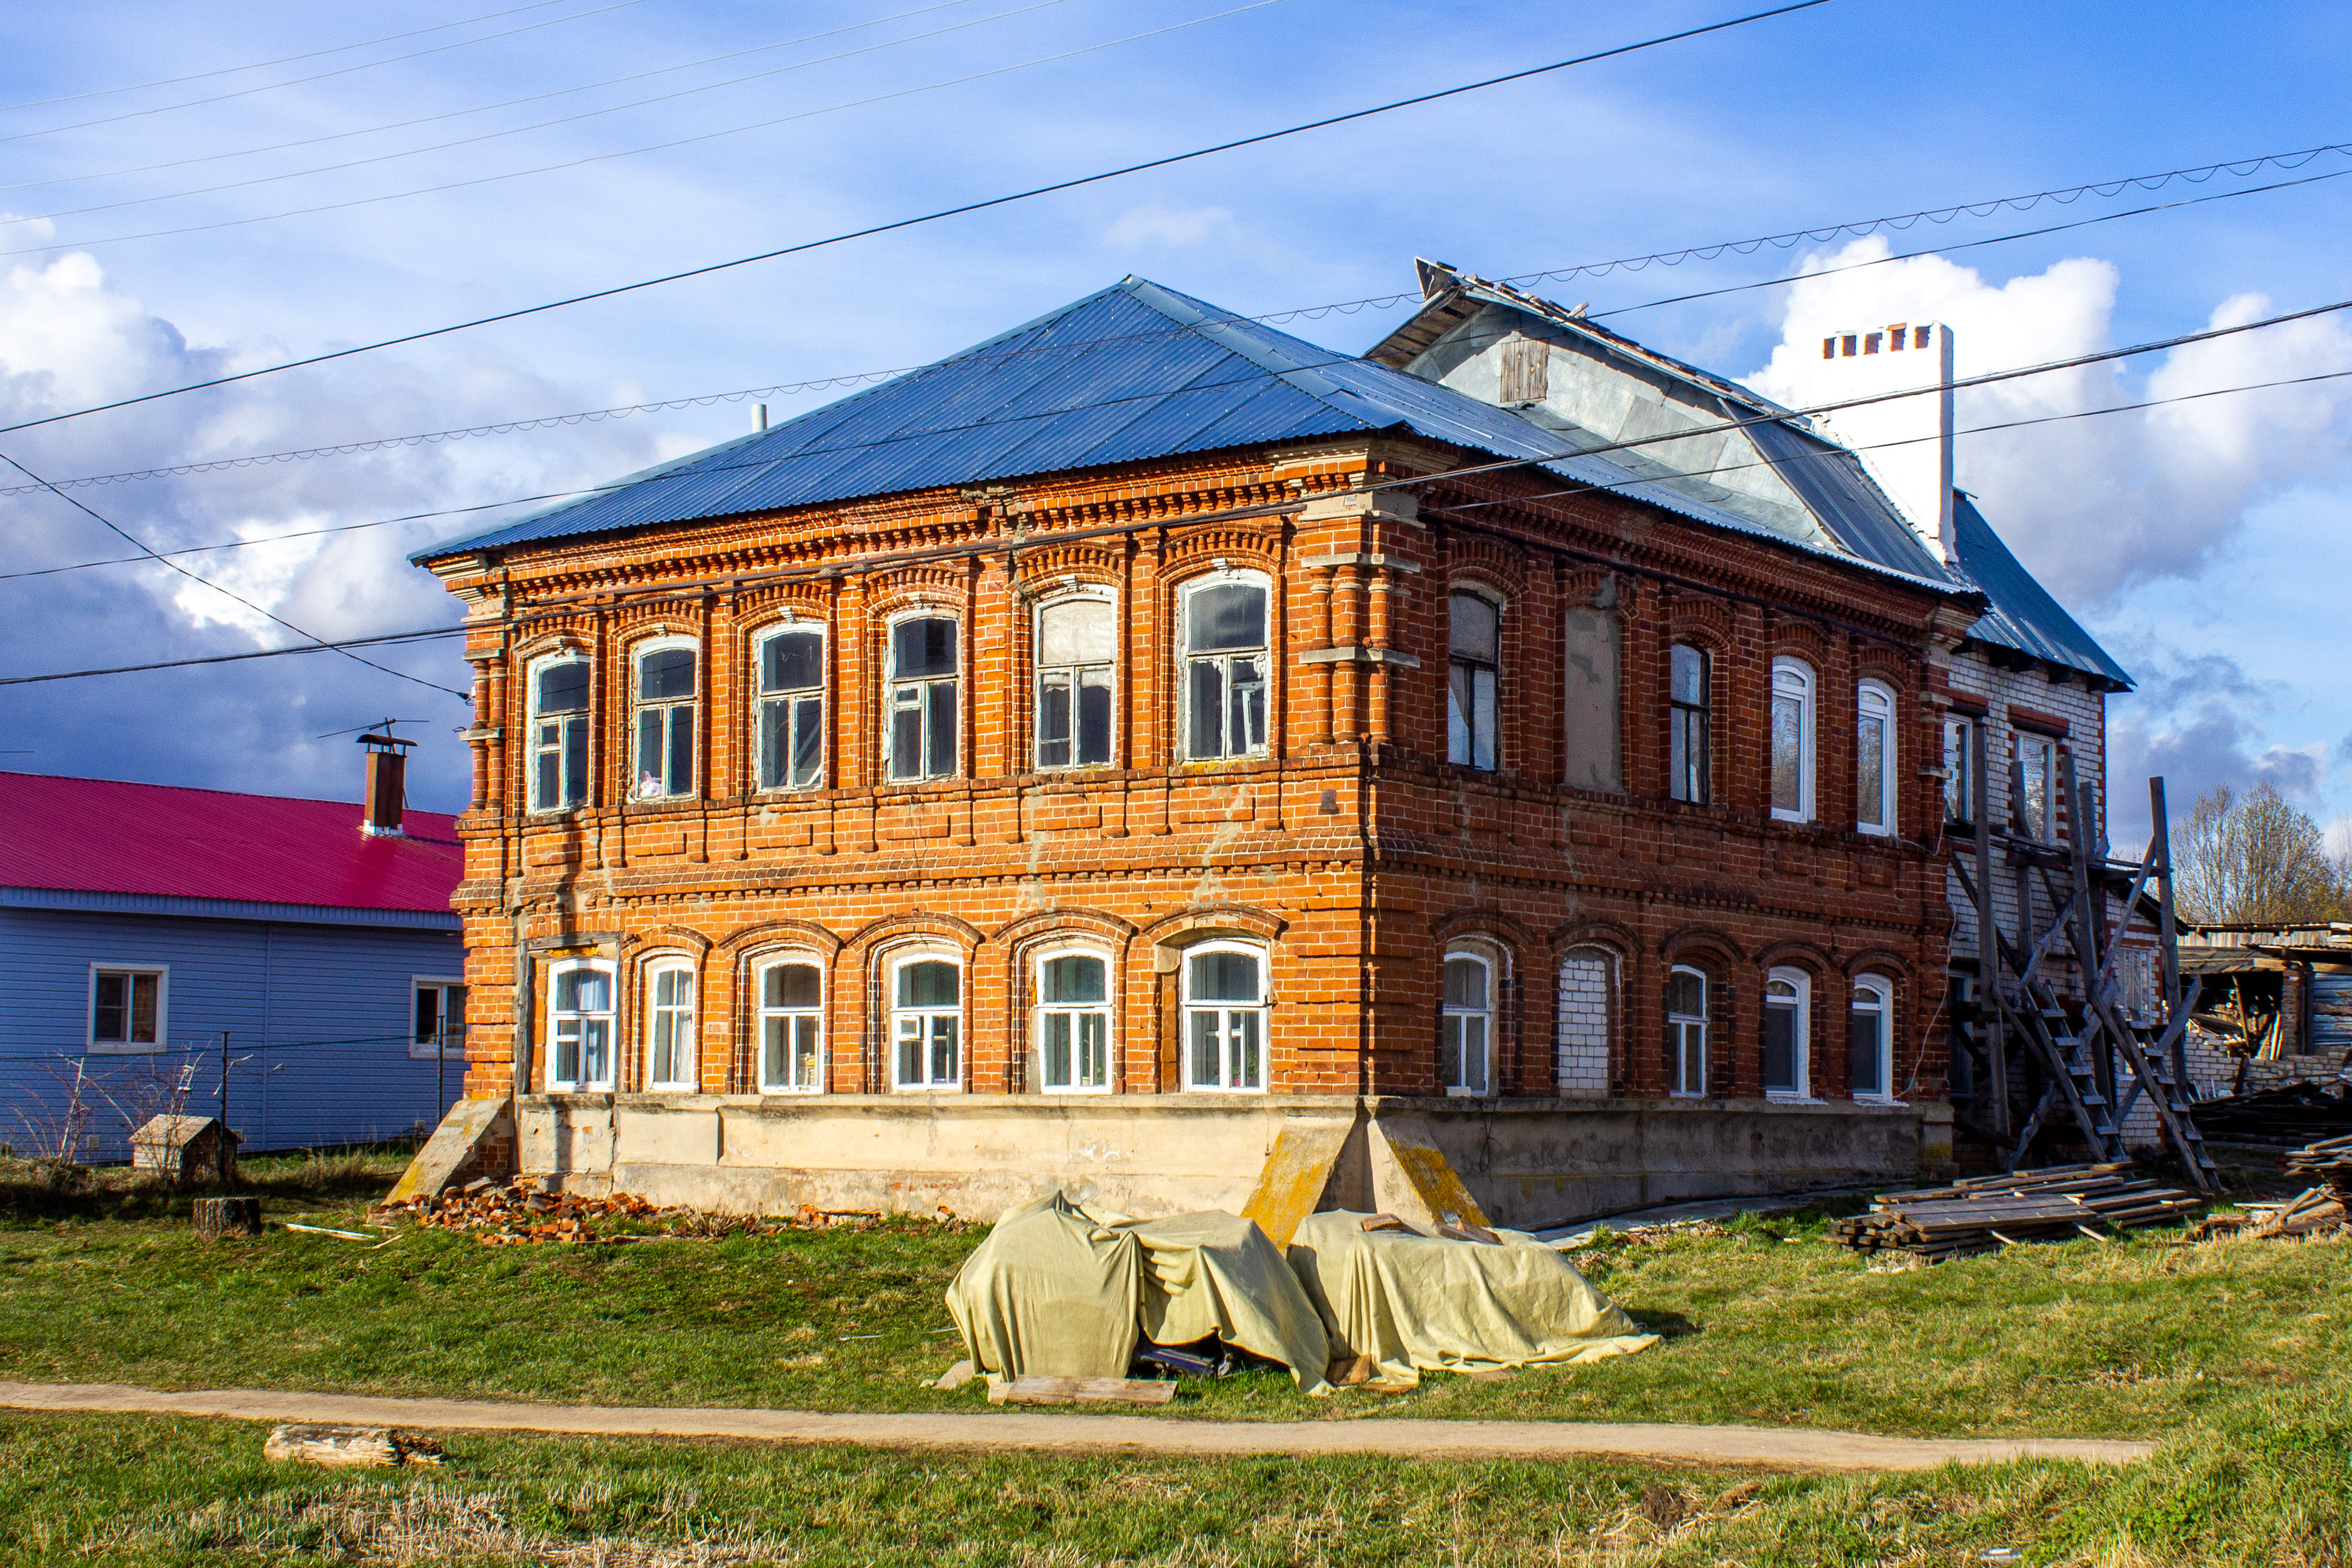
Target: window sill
[[579, 1088], [661, 803], [1793, 819], [1879, 1100], [1792, 1096], [927, 1088], [124, 1048], [785, 1091], [1451, 1093], [1068, 1089], [1220, 1089]]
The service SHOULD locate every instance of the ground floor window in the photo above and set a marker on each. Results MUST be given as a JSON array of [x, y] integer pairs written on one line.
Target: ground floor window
[[440, 1019], [1686, 1031], [1788, 994], [670, 1033], [580, 1026], [792, 1029], [1586, 992], [1465, 1025], [1224, 1018], [927, 1023], [1870, 1036], [1073, 1022]]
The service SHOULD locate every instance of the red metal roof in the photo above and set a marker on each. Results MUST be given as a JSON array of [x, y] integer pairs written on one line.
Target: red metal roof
[[103, 835]]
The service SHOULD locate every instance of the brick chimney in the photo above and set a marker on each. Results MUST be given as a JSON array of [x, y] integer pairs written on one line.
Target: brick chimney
[[1904, 443], [387, 784]]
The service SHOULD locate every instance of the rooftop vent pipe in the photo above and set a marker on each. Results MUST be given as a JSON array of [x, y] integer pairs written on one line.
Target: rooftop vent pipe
[[387, 785]]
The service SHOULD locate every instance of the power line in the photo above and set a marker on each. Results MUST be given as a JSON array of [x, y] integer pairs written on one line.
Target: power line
[[933, 216]]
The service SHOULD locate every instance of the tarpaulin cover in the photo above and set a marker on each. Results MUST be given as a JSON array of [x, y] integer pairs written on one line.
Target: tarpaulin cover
[[1416, 1304], [1065, 1290]]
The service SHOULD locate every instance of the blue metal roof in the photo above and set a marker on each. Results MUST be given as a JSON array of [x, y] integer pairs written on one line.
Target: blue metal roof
[[1133, 372], [2024, 615]]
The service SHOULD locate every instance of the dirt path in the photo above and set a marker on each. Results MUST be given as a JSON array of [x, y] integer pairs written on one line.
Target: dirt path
[[1770, 1448]]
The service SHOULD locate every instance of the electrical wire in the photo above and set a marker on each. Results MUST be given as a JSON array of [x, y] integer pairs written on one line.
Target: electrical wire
[[209, 1050], [934, 216]]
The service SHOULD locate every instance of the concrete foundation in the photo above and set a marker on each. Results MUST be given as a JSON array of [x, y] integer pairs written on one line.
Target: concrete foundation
[[1528, 1164]]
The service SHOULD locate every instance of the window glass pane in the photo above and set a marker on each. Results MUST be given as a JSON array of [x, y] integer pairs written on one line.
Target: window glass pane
[[1073, 979], [930, 983], [808, 741], [1960, 771], [1482, 720], [1206, 1024], [1787, 751], [1473, 628], [1208, 735], [681, 750], [428, 1013], [910, 1050], [564, 687], [804, 1054], [1465, 983], [1225, 977], [1686, 994], [1058, 1050], [1229, 616], [1094, 1050], [597, 1053], [942, 725], [1245, 730], [791, 986], [1458, 703], [1075, 631], [906, 736], [1689, 676], [565, 1067], [1474, 1053], [1781, 1046], [111, 1011], [582, 991], [144, 991], [1871, 744], [1449, 1052], [1865, 1029], [1246, 1069], [791, 661], [1093, 716], [649, 752], [575, 761], [774, 739], [774, 1035], [664, 674], [926, 646], [1054, 721], [944, 1068]]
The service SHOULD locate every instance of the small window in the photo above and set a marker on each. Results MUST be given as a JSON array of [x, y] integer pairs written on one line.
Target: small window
[[1960, 771], [1686, 722], [921, 737], [665, 760], [1073, 1022], [791, 708], [1788, 996], [1686, 1031], [792, 1029], [1076, 649], [1792, 741], [1225, 670], [1466, 1024], [440, 1020], [558, 727], [1474, 633], [580, 1026], [1873, 749], [1870, 1038], [2037, 757], [927, 1023], [1224, 1018], [126, 1008], [670, 1026]]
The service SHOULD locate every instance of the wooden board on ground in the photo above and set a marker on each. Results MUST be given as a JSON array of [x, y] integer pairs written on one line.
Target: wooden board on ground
[[1080, 1391]]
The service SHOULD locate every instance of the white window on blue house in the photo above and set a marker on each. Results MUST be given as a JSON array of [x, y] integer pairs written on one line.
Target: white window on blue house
[[126, 1005], [580, 1025], [440, 1018]]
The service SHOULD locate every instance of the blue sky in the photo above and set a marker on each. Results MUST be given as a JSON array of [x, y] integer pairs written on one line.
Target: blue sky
[[2199, 543]]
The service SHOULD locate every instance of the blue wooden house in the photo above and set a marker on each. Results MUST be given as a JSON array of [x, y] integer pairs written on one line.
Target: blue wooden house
[[160, 946]]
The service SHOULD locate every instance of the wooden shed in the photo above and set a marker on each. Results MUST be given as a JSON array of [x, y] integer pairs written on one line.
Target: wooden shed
[[185, 1150]]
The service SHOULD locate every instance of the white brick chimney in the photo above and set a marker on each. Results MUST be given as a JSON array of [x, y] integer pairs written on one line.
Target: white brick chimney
[[1906, 442]]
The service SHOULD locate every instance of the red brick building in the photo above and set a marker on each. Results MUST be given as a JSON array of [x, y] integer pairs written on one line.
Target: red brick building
[[1062, 765]]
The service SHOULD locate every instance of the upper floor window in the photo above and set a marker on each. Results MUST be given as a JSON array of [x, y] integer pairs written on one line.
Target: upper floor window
[[670, 1026], [126, 1007], [1076, 647], [1465, 1025], [1073, 1022], [1960, 741], [1591, 717], [1224, 1017], [1792, 741], [1474, 640], [1686, 1031], [792, 1027], [922, 738], [1788, 995], [2037, 759], [927, 1023], [791, 708], [440, 1019], [559, 731], [665, 760], [580, 1025], [1686, 721], [1870, 1036], [1225, 669], [1873, 752]]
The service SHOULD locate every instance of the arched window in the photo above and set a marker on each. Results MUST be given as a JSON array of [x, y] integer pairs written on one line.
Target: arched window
[[1475, 642], [1686, 1031], [1792, 741], [1077, 652], [1224, 1017], [791, 708], [790, 993], [1873, 751], [559, 734], [665, 704], [926, 1021], [1073, 1022], [1225, 669], [580, 1025], [1692, 697], [1466, 1024], [1587, 994], [1870, 1038], [1787, 1042], [921, 737], [670, 1025]]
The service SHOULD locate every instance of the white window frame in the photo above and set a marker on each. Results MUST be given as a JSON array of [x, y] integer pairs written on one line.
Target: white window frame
[[1963, 733], [639, 652], [1679, 1031], [1683, 729], [1801, 1039], [1874, 700], [453, 1041], [1045, 1011], [923, 685], [1457, 1020], [585, 718], [1466, 755], [685, 1059], [609, 1015], [898, 1014], [1264, 651], [1883, 990], [1793, 679], [789, 702], [2045, 830], [762, 1015], [1075, 673], [126, 1046], [1229, 1012]]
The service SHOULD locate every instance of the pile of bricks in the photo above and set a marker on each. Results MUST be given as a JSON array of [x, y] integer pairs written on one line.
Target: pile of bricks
[[508, 1215]]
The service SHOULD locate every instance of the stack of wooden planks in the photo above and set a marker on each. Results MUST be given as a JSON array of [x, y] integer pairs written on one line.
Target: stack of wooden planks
[[2275, 1117], [2330, 1160], [2056, 1203]]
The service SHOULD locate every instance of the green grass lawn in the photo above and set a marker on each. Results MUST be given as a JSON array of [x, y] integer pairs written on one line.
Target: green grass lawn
[[2233, 1353]]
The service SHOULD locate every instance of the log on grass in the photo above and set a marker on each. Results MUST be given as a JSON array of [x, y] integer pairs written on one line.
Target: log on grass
[[217, 1217], [345, 1447], [1041, 1390]]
